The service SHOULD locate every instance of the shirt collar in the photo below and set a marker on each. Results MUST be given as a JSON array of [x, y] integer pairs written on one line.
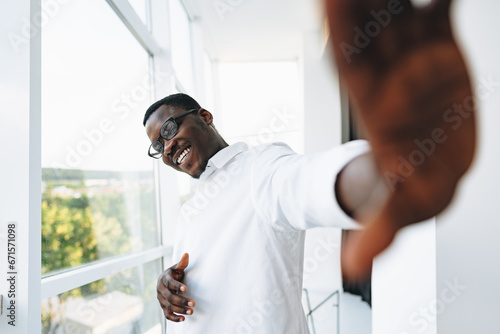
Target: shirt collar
[[221, 158]]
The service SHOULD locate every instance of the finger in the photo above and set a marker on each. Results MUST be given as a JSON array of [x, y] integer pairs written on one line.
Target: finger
[[162, 299], [172, 316], [183, 263], [180, 310], [180, 301], [363, 247], [170, 312], [167, 310], [170, 280], [168, 298], [406, 205], [175, 286], [175, 304], [167, 284]]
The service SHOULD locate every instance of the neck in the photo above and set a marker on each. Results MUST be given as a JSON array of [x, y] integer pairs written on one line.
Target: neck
[[221, 145]]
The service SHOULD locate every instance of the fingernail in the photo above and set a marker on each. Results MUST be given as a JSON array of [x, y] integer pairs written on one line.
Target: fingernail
[[182, 319], [189, 312], [190, 304], [183, 288]]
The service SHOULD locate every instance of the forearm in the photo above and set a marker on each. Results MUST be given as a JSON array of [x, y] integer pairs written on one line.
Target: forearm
[[360, 190]]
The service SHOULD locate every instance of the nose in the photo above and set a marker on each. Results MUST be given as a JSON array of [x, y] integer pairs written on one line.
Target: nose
[[168, 146]]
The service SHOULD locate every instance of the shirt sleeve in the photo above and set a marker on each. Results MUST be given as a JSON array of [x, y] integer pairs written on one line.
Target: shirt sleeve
[[297, 191]]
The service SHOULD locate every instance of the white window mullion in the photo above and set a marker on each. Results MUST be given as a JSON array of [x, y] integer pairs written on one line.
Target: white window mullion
[[71, 279], [134, 23]]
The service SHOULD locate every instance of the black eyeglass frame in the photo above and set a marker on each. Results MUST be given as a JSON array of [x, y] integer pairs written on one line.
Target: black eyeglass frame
[[170, 134]]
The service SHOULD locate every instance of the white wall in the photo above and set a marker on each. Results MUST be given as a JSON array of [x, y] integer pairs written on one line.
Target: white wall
[[468, 246], [404, 283], [20, 172]]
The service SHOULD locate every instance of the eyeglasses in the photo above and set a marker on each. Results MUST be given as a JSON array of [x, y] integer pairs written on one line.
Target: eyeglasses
[[167, 131]]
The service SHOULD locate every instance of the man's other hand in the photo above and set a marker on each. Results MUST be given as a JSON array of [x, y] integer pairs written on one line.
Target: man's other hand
[[412, 95], [169, 292]]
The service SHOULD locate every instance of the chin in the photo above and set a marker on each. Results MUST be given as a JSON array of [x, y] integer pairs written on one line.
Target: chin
[[194, 172], [195, 175], [197, 172]]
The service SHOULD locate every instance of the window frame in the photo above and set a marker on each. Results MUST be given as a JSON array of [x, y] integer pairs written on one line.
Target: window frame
[[24, 184], [66, 280], [56, 283]]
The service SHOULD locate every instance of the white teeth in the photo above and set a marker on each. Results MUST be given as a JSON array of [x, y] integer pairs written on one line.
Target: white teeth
[[182, 156]]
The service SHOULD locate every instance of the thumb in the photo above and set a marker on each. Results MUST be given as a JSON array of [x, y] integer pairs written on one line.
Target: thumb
[[363, 247], [183, 263]]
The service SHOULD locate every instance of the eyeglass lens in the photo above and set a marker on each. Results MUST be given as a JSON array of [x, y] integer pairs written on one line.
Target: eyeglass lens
[[169, 129]]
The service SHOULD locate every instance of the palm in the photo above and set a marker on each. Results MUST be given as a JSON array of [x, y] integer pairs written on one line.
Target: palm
[[406, 85]]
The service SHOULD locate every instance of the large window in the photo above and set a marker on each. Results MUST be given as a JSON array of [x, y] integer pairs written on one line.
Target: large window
[[99, 198], [94, 216]]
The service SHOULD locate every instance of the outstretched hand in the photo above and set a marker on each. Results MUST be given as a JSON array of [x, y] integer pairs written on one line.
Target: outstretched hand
[[412, 95], [169, 291]]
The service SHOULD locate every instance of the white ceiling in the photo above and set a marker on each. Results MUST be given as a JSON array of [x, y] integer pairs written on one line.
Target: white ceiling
[[255, 30]]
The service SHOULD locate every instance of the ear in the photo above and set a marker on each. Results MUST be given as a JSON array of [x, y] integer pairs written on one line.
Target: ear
[[206, 116]]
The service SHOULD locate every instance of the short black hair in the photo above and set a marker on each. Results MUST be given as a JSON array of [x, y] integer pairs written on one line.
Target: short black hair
[[179, 100]]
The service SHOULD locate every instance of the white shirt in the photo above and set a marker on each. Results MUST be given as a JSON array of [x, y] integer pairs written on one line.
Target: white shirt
[[244, 231]]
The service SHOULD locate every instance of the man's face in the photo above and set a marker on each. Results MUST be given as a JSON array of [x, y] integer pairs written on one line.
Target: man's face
[[193, 145]]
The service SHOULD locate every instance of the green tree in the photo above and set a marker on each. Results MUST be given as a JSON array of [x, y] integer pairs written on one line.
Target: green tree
[[68, 234], [78, 228], [69, 240]]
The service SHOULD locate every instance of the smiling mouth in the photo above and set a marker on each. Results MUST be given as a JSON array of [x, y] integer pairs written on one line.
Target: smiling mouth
[[183, 155]]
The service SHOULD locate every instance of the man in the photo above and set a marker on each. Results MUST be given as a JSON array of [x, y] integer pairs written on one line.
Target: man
[[413, 97], [244, 226]]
